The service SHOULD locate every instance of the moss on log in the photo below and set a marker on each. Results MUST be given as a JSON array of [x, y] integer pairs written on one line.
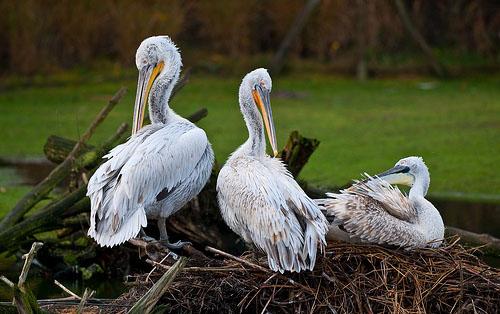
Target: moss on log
[[57, 148], [54, 212]]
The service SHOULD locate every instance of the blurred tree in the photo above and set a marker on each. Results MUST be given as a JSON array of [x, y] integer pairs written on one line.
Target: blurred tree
[[295, 29], [437, 67], [38, 37]]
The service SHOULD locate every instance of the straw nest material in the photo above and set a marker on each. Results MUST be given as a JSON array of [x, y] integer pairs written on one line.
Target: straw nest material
[[348, 278]]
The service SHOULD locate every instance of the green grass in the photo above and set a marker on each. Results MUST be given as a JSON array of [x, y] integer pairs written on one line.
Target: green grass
[[455, 125]]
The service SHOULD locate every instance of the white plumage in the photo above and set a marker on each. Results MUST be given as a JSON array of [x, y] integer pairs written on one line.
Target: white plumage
[[258, 197], [160, 168], [374, 211]]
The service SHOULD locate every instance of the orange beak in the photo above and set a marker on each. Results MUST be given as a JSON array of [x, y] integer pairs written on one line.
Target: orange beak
[[147, 76], [262, 99]]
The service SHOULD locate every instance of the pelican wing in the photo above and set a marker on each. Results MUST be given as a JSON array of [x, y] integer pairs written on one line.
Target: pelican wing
[[260, 201], [390, 197], [149, 165], [376, 212]]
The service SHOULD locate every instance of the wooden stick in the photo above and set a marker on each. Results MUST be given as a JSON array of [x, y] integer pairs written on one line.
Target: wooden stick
[[197, 269], [97, 121], [181, 82], [24, 300], [7, 281], [294, 30], [149, 300], [34, 223], [437, 67], [28, 259], [71, 293], [198, 115], [216, 251], [59, 173], [490, 244], [87, 294]]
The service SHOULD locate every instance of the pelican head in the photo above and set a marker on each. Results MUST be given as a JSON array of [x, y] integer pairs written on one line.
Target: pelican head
[[258, 84], [157, 57], [407, 171]]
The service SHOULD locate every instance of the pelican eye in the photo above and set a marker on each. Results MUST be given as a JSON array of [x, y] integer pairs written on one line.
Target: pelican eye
[[405, 169]]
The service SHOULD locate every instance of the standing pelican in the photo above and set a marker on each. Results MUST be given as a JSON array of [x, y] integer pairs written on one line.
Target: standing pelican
[[161, 167], [373, 211], [258, 197]]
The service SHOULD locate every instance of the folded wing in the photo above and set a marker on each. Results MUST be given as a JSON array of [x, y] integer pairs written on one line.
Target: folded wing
[[154, 160]]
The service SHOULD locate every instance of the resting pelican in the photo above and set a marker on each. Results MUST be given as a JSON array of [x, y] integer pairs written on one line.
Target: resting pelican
[[258, 197], [161, 167], [373, 211]]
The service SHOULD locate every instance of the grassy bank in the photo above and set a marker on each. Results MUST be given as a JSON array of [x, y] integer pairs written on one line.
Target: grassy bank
[[368, 126]]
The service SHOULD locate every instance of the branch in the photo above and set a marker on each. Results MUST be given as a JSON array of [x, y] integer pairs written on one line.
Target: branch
[[149, 300], [71, 293], [181, 82], [74, 202], [87, 294], [438, 68], [28, 259], [198, 115], [57, 148], [489, 243], [216, 251], [60, 172], [295, 29], [24, 300]]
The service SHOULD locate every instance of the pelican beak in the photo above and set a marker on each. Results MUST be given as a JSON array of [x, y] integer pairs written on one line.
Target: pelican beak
[[147, 76], [262, 99], [397, 175]]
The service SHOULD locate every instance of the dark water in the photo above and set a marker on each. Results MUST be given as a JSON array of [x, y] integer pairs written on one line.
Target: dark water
[[476, 217], [44, 288]]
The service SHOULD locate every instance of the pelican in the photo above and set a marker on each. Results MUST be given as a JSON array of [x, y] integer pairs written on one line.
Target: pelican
[[160, 168], [258, 197], [374, 211]]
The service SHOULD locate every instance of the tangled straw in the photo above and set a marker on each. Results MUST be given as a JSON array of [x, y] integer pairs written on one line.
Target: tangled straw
[[349, 278]]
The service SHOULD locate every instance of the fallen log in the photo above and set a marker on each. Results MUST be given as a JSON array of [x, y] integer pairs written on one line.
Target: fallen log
[[52, 214], [39, 222], [57, 148]]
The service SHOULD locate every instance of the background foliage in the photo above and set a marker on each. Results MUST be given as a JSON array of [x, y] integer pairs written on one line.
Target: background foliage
[[45, 36]]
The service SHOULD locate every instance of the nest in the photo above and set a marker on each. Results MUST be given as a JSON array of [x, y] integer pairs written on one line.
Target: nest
[[348, 278]]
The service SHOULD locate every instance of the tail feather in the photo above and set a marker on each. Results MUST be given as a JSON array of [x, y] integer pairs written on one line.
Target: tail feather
[[102, 231], [313, 238]]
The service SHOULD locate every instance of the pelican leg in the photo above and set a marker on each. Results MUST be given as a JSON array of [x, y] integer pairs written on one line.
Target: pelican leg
[[163, 229], [145, 237], [164, 237]]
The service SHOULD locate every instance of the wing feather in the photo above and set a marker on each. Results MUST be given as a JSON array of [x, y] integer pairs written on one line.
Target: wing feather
[[260, 201], [121, 190], [375, 212]]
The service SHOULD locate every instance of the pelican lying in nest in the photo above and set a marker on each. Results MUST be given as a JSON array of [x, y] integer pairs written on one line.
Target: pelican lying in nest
[[374, 211]]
